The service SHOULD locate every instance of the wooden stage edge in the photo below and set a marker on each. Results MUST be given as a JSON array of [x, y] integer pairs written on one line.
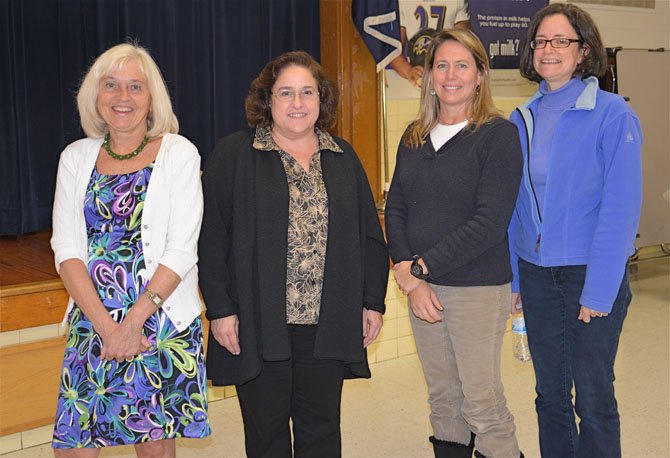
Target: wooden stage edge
[[29, 305], [31, 293], [30, 288]]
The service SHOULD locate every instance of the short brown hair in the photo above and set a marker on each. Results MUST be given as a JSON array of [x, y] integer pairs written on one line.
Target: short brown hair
[[594, 62], [257, 103]]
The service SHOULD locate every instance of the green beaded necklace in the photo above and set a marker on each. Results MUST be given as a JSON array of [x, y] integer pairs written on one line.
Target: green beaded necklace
[[123, 157]]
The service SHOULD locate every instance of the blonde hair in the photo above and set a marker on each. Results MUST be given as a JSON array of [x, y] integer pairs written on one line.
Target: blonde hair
[[483, 109], [160, 120]]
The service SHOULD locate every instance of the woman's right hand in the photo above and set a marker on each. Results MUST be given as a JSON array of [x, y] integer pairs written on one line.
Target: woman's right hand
[[424, 303], [226, 332]]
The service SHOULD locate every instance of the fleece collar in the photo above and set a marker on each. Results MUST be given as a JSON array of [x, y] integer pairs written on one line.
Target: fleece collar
[[585, 101]]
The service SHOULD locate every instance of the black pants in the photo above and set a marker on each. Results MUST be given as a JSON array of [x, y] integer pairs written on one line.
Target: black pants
[[304, 389]]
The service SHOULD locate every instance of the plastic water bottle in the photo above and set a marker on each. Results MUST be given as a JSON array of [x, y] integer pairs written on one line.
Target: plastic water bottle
[[520, 339]]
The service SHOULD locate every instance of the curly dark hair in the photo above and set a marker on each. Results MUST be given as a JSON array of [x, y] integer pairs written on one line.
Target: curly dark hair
[[595, 60], [257, 103]]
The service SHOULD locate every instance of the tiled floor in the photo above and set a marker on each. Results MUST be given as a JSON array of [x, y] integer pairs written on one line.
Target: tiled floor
[[386, 417]]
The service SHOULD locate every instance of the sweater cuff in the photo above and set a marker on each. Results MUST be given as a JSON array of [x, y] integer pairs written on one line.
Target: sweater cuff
[[594, 305], [381, 308], [212, 315]]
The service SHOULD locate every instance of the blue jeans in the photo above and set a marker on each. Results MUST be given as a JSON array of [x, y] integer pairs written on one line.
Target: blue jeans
[[567, 352]]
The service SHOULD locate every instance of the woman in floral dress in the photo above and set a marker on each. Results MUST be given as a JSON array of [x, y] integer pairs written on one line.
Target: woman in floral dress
[[127, 214]]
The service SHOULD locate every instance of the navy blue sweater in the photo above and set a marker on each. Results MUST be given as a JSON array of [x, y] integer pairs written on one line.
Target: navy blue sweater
[[452, 206]]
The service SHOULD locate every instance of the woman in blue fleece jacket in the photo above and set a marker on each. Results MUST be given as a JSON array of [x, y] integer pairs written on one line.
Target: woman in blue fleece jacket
[[573, 229]]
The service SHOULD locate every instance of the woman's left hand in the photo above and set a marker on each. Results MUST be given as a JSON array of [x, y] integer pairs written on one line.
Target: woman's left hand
[[124, 343], [372, 324], [585, 314], [405, 280]]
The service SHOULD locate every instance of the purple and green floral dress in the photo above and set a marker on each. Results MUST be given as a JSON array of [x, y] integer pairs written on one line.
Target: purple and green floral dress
[[161, 393]]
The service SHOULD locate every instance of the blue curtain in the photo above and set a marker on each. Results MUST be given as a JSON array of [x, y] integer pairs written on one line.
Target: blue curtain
[[208, 52]]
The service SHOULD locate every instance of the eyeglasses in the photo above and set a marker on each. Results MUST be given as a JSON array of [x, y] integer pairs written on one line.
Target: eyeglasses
[[288, 95], [540, 43]]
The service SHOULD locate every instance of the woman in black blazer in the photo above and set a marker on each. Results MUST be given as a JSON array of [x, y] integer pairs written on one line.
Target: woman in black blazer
[[293, 263]]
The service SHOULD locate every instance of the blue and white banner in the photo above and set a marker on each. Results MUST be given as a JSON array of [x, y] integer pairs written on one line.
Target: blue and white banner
[[502, 25], [377, 22]]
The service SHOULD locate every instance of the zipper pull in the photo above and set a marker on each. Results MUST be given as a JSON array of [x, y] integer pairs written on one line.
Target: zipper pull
[[537, 244]]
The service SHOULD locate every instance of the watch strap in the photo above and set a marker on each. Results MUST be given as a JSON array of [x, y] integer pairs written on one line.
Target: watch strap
[[154, 298]]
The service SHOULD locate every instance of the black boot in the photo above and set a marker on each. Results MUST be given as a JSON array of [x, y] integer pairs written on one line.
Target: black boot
[[479, 455], [471, 447], [447, 449]]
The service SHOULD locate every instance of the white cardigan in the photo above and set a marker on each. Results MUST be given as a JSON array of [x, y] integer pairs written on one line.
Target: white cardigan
[[170, 220]]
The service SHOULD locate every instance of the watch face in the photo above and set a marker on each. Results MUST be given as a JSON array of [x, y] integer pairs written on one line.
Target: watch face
[[416, 270], [153, 297]]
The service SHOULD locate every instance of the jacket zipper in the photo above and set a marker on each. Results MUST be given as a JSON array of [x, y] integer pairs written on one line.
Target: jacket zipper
[[530, 179]]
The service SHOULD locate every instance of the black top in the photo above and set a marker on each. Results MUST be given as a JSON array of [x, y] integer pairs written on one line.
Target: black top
[[242, 257], [452, 207]]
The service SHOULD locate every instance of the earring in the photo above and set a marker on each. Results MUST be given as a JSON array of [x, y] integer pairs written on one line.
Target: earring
[[432, 92]]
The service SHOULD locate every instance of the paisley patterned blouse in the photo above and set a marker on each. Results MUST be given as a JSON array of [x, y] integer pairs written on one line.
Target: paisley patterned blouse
[[307, 228]]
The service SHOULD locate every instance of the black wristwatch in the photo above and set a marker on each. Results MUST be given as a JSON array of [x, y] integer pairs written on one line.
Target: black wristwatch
[[416, 269]]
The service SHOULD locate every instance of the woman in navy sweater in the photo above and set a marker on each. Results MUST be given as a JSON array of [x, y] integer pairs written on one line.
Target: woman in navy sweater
[[453, 190], [573, 229]]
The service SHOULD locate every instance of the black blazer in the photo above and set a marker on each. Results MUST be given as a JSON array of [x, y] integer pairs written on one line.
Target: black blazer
[[242, 257]]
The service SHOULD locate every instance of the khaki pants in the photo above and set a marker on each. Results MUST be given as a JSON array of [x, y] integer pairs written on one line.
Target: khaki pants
[[460, 356]]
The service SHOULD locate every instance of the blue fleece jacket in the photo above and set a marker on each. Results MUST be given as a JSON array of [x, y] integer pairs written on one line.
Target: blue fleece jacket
[[593, 193]]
